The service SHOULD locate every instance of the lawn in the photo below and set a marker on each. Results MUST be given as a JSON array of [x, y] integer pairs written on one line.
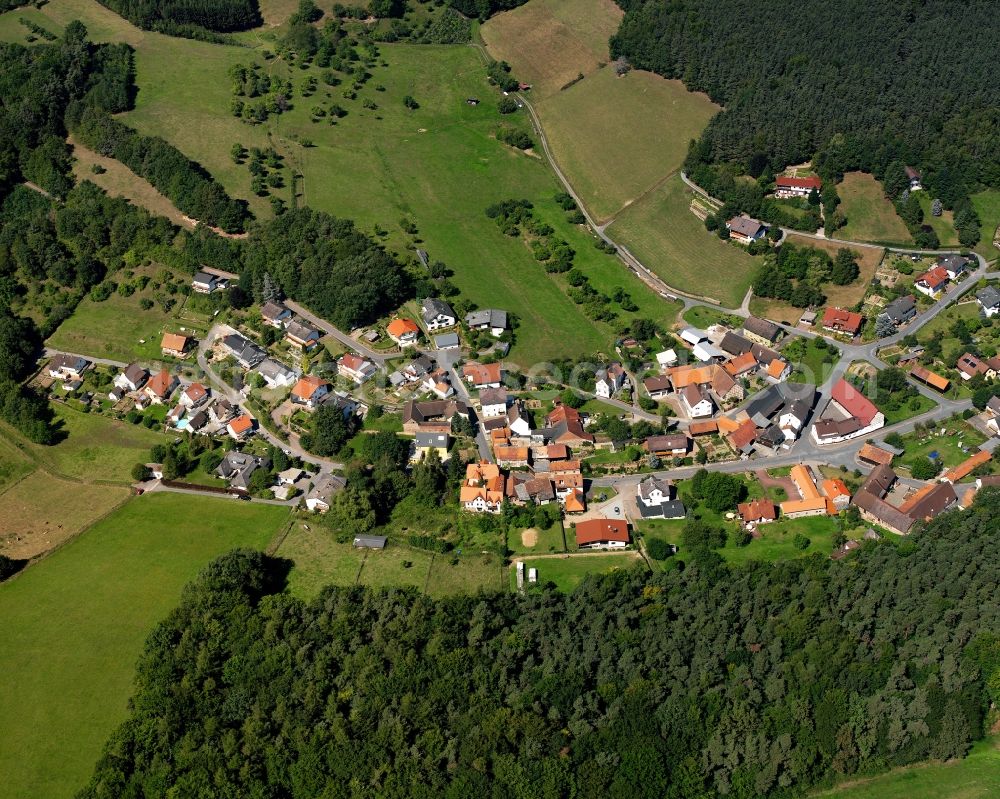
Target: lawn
[[942, 225], [395, 565], [568, 572], [466, 574], [870, 216], [811, 361], [74, 624], [637, 129], [545, 541], [95, 447], [987, 205], [549, 43], [977, 776], [40, 512], [948, 446], [704, 316], [14, 466], [910, 408], [661, 231]]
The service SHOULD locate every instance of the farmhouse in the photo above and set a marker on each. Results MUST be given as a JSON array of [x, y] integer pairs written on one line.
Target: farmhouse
[[275, 314], [438, 383], [309, 390], [67, 367], [812, 502], [432, 417], [566, 427], [901, 310], [483, 375], [301, 336], [849, 414], [696, 401], [404, 332], [602, 534], [512, 457], [437, 314], [734, 343], [175, 345], [796, 187], [675, 445], [837, 320], [321, 495], [490, 319], [355, 368], [741, 438], [746, 230], [761, 331], [932, 281], [493, 401], [741, 365], [483, 490], [205, 283], [989, 300]]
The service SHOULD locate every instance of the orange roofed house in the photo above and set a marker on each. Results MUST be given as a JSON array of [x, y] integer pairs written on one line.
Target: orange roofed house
[[602, 534], [932, 281], [240, 427], [482, 375], [837, 320], [566, 427], [309, 391], [160, 386], [966, 468], [403, 331], [483, 490], [175, 345]]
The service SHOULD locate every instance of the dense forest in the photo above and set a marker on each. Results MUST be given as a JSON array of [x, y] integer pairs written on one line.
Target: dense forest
[[706, 680], [188, 17], [857, 85]]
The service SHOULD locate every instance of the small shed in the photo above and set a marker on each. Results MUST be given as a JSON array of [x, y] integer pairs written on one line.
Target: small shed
[[370, 542]]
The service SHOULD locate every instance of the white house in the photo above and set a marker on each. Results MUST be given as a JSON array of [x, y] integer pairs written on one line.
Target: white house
[[275, 314], [666, 359], [653, 492], [791, 419], [696, 401], [355, 368], [67, 367], [989, 300], [610, 381], [276, 375], [321, 495], [205, 283], [491, 319], [494, 402], [132, 379], [437, 314], [517, 419]]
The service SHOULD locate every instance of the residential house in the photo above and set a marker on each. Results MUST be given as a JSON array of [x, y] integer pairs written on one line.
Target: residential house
[[667, 446], [989, 300], [742, 437], [221, 411], [194, 396], [837, 320], [438, 383], [276, 374], [483, 490], [512, 457], [758, 511], [696, 401], [493, 402], [796, 187], [745, 229], [437, 314], [610, 381], [238, 467], [132, 379], [812, 502], [325, 487], [206, 283], [483, 375], [67, 367], [875, 456], [566, 427], [240, 427], [518, 419], [770, 438], [355, 368], [602, 534], [275, 314], [929, 378], [954, 264], [246, 353], [424, 443], [435, 416], [338, 399], [913, 176], [490, 319], [969, 366], [741, 365], [523, 488], [778, 370], [849, 414], [793, 417], [175, 345], [160, 386], [657, 386], [404, 332], [932, 282], [656, 499], [301, 336], [761, 331], [309, 391], [734, 343], [901, 310], [993, 415], [836, 491]]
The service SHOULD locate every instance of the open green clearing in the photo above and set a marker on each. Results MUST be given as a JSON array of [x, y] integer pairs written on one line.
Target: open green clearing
[[14, 465], [550, 43], [661, 231], [987, 205], [811, 361], [74, 624], [942, 225], [568, 572], [617, 138], [977, 776], [95, 447], [870, 216], [704, 316], [947, 445]]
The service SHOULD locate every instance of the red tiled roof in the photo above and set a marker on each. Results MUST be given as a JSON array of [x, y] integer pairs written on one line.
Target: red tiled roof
[[854, 402], [812, 182], [307, 386], [400, 327], [482, 373], [934, 278], [839, 319], [594, 530], [757, 509]]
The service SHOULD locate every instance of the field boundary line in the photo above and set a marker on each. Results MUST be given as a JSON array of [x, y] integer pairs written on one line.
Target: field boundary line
[[279, 537]]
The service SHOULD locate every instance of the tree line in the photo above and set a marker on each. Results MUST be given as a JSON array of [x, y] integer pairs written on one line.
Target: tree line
[[189, 18], [798, 82], [762, 680]]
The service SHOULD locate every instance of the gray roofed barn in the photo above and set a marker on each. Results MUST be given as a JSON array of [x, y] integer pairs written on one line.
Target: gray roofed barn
[[767, 331]]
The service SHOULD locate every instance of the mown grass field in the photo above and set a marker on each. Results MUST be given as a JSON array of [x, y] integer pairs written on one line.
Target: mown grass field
[[617, 138], [942, 225], [661, 231], [987, 205], [870, 216], [74, 624], [977, 776], [568, 572], [14, 465], [549, 43]]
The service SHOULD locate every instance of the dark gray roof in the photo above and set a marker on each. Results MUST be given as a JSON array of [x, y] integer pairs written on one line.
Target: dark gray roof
[[301, 331], [764, 405], [491, 317], [900, 309], [432, 307], [204, 277], [989, 297], [431, 439], [953, 262], [273, 310], [244, 350], [370, 541], [135, 374], [762, 328], [734, 343], [674, 509]]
